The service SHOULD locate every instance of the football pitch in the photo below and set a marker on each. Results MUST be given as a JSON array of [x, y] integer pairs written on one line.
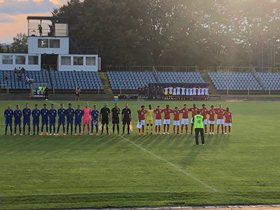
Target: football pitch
[[49, 172]]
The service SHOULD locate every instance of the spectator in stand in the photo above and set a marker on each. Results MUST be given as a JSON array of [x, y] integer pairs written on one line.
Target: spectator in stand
[[78, 93], [40, 29]]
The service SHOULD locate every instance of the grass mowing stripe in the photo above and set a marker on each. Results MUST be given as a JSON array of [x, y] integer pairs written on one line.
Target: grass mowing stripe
[[212, 189]]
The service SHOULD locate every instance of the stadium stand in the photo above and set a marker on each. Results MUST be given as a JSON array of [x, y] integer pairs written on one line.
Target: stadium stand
[[68, 80], [63, 80], [179, 77], [128, 80], [15, 82], [238, 81], [269, 80]]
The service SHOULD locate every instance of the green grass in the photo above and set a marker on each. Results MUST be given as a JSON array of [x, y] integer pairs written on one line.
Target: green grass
[[131, 171]]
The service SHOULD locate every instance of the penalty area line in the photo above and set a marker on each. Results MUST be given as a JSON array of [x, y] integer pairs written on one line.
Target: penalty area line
[[177, 168]]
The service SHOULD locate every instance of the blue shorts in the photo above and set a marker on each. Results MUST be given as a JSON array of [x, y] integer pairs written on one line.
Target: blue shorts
[[17, 122]]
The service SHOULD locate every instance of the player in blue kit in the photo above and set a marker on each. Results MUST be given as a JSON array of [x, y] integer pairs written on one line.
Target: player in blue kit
[[52, 120], [8, 113], [70, 112], [17, 116], [26, 118], [78, 120], [94, 119], [36, 118], [45, 119], [61, 112]]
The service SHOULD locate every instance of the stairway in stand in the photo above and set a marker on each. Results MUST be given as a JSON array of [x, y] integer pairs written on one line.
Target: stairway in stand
[[106, 83], [207, 79]]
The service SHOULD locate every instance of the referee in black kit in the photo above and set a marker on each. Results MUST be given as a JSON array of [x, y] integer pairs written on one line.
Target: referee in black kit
[[104, 118], [126, 118], [115, 118]]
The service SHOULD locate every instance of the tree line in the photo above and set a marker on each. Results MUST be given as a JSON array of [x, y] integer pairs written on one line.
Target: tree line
[[175, 32]]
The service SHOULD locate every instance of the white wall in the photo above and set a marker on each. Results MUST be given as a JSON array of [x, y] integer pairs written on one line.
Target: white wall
[[33, 45], [83, 67], [27, 66]]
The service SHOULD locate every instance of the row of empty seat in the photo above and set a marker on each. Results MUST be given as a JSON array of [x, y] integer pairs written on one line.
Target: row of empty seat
[[131, 80], [69, 80], [269, 80], [238, 81]]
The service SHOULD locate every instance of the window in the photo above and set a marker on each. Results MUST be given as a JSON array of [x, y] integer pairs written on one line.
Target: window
[[20, 59], [90, 61], [78, 61], [65, 60], [33, 60], [7, 59], [43, 43], [54, 43]]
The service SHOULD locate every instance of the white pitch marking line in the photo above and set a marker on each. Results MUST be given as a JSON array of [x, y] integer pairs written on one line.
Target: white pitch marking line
[[212, 189]]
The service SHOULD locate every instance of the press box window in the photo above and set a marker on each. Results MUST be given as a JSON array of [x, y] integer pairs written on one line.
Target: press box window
[[65, 60], [78, 61], [43, 43], [33, 60], [90, 61], [20, 59], [54, 43], [7, 59]]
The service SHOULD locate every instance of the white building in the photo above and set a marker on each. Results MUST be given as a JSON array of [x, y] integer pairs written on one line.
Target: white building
[[48, 48]]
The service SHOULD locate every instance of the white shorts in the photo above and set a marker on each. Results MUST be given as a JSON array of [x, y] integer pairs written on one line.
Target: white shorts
[[210, 122], [158, 123], [143, 122], [228, 124], [176, 122], [185, 121], [205, 121], [139, 125], [166, 122], [192, 120], [220, 121]]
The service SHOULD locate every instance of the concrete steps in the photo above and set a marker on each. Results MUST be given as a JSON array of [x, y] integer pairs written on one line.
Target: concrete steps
[[106, 83], [207, 79]]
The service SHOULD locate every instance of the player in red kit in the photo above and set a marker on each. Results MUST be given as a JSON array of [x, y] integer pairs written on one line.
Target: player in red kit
[[194, 111], [141, 117], [185, 119], [166, 122], [176, 120], [157, 112], [228, 120], [220, 118], [211, 122], [204, 113]]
